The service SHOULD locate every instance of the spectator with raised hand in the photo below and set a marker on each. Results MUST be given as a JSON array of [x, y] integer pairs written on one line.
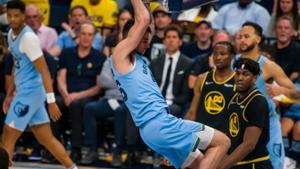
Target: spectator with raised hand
[[77, 78], [284, 7], [68, 38], [34, 19], [233, 15], [112, 39]]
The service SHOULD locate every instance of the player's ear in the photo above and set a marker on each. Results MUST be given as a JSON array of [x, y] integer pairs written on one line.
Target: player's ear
[[258, 39]]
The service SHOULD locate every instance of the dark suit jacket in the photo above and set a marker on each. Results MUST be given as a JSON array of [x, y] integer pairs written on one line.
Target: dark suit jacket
[[181, 91]]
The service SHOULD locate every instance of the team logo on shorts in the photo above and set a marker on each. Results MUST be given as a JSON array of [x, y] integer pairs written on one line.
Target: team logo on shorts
[[21, 109], [214, 102], [234, 126]]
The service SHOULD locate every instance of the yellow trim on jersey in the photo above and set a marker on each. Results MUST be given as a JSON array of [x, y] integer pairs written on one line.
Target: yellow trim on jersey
[[249, 95], [253, 165], [243, 113], [203, 81], [220, 83], [232, 98], [254, 160]]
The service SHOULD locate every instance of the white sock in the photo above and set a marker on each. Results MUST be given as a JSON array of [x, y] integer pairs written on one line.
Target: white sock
[[73, 167]]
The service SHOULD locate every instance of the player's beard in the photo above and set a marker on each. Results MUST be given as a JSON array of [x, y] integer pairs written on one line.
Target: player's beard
[[248, 48]]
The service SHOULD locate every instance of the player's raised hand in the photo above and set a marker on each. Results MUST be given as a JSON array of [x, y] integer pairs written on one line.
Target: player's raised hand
[[54, 112]]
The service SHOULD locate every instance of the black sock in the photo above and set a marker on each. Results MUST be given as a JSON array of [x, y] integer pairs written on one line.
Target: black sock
[[286, 143], [295, 150]]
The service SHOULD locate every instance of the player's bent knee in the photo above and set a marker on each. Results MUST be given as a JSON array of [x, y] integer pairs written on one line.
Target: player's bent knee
[[206, 136], [221, 139]]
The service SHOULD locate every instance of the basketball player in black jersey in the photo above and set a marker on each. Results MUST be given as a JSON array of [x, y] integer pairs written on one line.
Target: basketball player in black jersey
[[214, 89], [248, 121]]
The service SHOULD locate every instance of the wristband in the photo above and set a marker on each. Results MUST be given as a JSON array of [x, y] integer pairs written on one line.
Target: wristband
[[50, 98]]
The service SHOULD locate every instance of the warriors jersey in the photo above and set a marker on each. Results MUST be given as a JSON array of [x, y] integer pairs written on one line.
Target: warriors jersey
[[213, 101], [250, 111]]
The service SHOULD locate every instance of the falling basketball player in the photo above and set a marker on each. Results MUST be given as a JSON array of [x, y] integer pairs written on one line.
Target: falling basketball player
[[176, 139]]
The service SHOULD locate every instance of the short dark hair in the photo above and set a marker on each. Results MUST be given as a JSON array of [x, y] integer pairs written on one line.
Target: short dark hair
[[173, 28], [4, 160], [128, 25], [79, 7], [205, 22], [16, 4], [258, 29], [229, 46], [249, 64]]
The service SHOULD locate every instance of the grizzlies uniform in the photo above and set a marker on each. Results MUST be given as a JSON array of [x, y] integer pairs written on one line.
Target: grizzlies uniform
[[172, 137], [275, 145], [250, 111], [214, 98], [28, 105]]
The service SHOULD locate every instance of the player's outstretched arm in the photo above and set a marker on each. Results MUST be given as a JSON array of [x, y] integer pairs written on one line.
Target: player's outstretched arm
[[135, 34]]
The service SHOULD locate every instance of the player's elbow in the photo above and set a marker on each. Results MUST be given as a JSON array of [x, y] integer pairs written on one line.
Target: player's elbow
[[144, 20]]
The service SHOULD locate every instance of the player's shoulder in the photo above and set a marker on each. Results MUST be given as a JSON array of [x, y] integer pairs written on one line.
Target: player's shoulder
[[270, 64], [257, 98], [29, 36]]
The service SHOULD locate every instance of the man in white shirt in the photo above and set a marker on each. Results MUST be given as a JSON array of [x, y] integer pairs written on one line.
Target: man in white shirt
[[171, 71]]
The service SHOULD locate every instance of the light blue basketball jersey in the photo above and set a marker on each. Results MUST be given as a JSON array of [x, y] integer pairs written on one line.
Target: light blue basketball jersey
[[28, 105], [140, 92], [261, 85], [26, 77]]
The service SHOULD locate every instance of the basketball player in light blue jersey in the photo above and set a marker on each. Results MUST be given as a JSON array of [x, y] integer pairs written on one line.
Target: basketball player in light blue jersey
[[176, 139], [250, 37], [27, 105]]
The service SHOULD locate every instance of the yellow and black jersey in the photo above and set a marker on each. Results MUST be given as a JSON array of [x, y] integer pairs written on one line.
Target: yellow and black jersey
[[250, 111], [213, 101]]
